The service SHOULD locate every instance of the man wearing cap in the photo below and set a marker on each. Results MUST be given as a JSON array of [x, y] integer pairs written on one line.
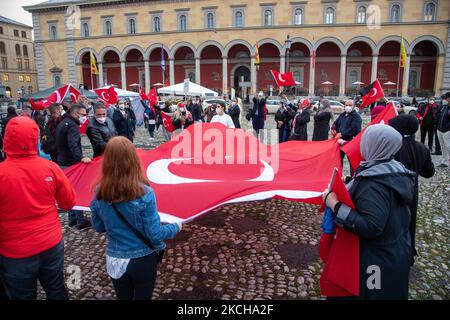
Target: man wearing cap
[[443, 131], [257, 114]]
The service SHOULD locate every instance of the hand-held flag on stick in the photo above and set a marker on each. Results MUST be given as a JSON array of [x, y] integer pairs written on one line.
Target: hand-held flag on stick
[[371, 93], [56, 97], [283, 79]]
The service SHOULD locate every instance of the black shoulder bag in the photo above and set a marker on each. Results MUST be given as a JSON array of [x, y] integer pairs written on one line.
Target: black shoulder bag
[[159, 254]]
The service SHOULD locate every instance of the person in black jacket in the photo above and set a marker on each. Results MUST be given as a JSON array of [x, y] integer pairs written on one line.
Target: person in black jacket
[[100, 130], [124, 120], [283, 118], [11, 113], [415, 157], [443, 131], [381, 191], [234, 111], [258, 113], [69, 152], [322, 121], [300, 122], [426, 113]]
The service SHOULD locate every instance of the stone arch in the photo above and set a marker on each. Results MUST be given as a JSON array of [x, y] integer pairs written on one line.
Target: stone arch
[[271, 41], [154, 46], [81, 53], [392, 38], [303, 41], [210, 43], [127, 49], [366, 40], [102, 52], [334, 40], [239, 41], [178, 45], [437, 42]]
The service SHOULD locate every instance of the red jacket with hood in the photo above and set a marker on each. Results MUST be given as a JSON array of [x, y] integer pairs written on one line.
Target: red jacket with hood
[[31, 188]]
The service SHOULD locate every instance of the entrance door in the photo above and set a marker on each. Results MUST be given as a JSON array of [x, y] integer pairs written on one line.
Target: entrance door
[[240, 72]]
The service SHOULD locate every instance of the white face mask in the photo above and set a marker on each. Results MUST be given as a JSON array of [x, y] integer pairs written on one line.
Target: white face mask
[[83, 119], [121, 106], [62, 112], [101, 120], [431, 101], [348, 109], [445, 102]]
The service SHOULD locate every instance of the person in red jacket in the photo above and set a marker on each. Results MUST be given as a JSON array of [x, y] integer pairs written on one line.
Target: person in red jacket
[[31, 188]]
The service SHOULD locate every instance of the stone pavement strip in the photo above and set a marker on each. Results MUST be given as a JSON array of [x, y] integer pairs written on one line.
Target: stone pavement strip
[[258, 250]]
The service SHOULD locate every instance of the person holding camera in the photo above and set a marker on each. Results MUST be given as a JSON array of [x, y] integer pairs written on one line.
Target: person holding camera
[[258, 113], [183, 118], [124, 206]]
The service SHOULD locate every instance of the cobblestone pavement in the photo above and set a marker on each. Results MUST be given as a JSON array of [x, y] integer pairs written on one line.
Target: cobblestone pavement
[[259, 250]]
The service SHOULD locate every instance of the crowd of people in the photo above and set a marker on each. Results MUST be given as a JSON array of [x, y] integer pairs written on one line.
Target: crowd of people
[[384, 188]]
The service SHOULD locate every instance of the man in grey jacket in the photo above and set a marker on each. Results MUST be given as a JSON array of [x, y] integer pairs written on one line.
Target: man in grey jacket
[[100, 130]]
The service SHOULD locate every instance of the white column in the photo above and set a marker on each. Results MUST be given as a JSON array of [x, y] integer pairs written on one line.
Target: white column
[[123, 75], [100, 74], [197, 70], [405, 83], [253, 77], [312, 71], [225, 74], [373, 77], [342, 75], [172, 71], [282, 63], [439, 73], [147, 75]]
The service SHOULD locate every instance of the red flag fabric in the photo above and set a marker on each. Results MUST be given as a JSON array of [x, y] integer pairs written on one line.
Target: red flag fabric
[[340, 253], [142, 94], [283, 79], [56, 97], [371, 93], [84, 126], [167, 122], [153, 97], [74, 94], [108, 96], [193, 174], [353, 149], [313, 55]]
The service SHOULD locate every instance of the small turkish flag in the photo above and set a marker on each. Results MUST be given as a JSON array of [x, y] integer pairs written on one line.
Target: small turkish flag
[[371, 93], [74, 94], [167, 122], [142, 94], [108, 96], [283, 79], [56, 97], [153, 97]]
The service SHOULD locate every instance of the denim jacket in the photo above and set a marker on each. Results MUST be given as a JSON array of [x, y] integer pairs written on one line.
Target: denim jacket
[[140, 213]]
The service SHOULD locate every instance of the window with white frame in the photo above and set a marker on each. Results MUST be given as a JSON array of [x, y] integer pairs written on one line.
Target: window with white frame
[[268, 17], [53, 33], [56, 80], [430, 11], [108, 27], [329, 15], [361, 14], [210, 20], [85, 32], [238, 18], [131, 25], [395, 13], [156, 24], [182, 22], [298, 16]]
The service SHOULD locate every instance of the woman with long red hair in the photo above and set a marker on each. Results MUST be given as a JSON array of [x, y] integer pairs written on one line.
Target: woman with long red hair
[[124, 207]]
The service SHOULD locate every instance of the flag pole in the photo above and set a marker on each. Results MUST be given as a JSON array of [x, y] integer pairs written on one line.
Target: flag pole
[[398, 72], [92, 78]]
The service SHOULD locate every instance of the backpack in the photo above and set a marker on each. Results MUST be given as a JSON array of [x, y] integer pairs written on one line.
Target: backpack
[[48, 142]]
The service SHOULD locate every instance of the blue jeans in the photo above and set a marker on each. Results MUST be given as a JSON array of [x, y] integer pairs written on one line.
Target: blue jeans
[[76, 216], [151, 130], [20, 276]]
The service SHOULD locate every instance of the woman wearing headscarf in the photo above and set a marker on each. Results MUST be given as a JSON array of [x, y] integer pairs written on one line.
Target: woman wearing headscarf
[[322, 121], [300, 122], [381, 191], [415, 157]]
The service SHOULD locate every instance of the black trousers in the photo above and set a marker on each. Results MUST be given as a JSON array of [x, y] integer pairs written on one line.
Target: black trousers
[[436, 141], [138, 282], [427, 130]]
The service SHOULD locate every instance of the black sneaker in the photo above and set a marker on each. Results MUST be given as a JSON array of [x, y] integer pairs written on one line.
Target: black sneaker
[[437, 153], [72, 224], [86, 224]]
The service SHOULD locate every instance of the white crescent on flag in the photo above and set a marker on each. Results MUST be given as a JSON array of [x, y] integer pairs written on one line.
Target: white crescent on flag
[[280, 77], [158, 172], [73, 96], [375, 91], [105, 96]]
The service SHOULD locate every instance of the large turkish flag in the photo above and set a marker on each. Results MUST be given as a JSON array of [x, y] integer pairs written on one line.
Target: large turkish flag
[[208, 165]]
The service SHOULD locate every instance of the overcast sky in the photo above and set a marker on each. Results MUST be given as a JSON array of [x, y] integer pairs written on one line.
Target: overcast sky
[[13, 9]]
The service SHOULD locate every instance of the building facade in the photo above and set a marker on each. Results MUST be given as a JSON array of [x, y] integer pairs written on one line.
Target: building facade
[[333, 43], [17, 66]]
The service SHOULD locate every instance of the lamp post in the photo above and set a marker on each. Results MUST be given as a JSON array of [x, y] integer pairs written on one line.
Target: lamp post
[[287, 44]]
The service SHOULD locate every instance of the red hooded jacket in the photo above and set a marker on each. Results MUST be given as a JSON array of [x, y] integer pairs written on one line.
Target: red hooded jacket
[[30, 190]]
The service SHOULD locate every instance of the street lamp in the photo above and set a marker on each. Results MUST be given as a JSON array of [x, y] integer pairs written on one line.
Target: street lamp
[[287, 44]]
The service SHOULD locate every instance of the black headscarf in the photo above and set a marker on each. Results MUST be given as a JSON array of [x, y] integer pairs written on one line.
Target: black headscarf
[[406, 124]]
